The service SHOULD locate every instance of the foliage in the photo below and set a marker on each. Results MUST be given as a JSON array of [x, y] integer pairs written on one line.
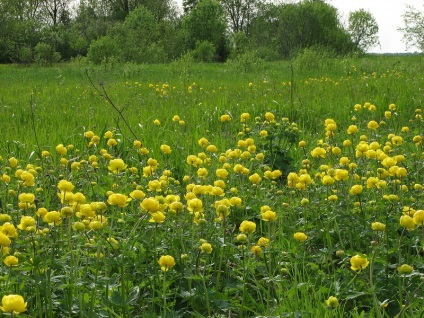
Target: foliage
[[363, 29], [413, 30], [240, 14], [152, 31], [44, 54], [204, 51], [314, 58], [206, 22], [246, 62], [310, 23], [103, 49]]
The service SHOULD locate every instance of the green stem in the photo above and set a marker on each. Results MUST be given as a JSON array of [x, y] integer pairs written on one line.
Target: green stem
[[164, 294]]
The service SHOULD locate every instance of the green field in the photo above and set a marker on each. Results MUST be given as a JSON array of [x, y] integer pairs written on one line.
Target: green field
[[289, 189]]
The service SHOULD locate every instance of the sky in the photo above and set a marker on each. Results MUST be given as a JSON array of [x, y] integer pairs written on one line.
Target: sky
[[387, 13]]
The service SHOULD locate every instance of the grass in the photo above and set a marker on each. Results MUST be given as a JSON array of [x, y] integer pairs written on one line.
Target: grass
[[79, 241]]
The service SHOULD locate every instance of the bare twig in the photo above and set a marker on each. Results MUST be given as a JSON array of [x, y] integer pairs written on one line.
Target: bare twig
[[102, 92]]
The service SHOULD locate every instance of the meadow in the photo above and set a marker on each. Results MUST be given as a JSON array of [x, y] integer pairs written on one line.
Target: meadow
[[245, 189]]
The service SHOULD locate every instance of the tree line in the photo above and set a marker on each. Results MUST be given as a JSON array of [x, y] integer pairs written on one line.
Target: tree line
[[158, 31]]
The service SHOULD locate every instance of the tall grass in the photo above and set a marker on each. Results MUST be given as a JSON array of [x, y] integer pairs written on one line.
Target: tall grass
[[281, 208]]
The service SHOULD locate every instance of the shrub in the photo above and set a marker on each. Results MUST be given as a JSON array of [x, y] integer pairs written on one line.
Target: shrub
[[45, 54], [204, 51], [313, 58], [103, 49]]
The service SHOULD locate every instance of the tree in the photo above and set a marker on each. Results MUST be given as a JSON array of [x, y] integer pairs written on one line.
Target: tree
[[310, 23], [363, 29], [161, 9], [56, 11], [188, 5], [263, 31], [240, 13], [19, 21], [413, 31], [207, 22]]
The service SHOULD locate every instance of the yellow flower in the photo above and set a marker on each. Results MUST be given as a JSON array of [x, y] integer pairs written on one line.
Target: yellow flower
[[89, 134], [373, 125], [26, 197], [269, 116], [221, 173], [263, 133], [300, 236], [405, 269], [255, 178], [61, 149], [118, 199], [157, 217], [155, 185], [225, 118], [137, 194], [13, 162], [419, 217], [356, 189], [235, 201], [377, 226], [166, 262], [302, 144], [6, 178], [78, 226], [156, 122], [247, 227], [65, 186], [13, 303], [333, 198], [11, 261], [52, 217], [245, 116], [116, 165], [358, 262], [150, 205], [407, 221], [203, 142], [4, 240], [352, 129], [206, 248], [327, 180], [269, 216], [112, 142], [241, 238], [332, 302], [397, 140], [195, 205], [263, 242], [26, 221], [108, 134], [318, 152], [165, 149], [256, 250]]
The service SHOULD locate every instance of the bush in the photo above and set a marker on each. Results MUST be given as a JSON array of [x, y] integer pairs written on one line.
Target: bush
[[102, 50], [45, 54], [204, 51], [314, 58], [246, 62]]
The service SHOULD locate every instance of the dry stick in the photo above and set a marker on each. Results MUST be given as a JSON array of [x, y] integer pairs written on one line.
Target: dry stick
[[104, 94]]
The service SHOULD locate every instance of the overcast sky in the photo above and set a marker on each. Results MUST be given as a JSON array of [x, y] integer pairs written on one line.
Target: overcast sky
[[388, 14]]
